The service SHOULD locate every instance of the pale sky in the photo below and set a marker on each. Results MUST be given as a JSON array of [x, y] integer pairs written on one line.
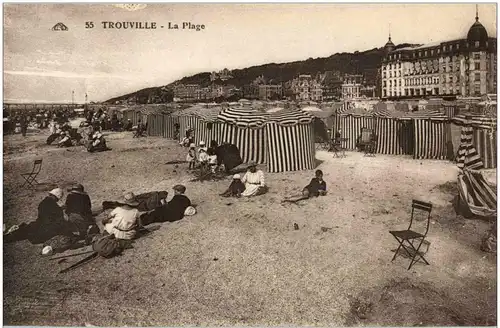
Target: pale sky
[[45, 65]]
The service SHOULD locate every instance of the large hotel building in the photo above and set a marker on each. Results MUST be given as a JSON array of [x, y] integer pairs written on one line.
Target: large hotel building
[[463, 67]]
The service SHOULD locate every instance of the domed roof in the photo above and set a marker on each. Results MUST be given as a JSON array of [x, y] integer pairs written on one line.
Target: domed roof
[[477, 32], [390, 44]]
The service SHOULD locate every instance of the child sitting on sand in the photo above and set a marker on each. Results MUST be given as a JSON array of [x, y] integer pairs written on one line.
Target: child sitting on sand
[[315, 188], [235, 188]]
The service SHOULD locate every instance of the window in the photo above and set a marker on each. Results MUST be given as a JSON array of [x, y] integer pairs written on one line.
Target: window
[[385, 84], [477, 66], [477, 44], [432, 52], [457, 46], [477, 77], [477, 89], [439, 51], [477, 56]]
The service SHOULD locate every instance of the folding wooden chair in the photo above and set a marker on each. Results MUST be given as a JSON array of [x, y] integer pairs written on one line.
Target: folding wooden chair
[[30, 178], [338, 149], [409, 235]]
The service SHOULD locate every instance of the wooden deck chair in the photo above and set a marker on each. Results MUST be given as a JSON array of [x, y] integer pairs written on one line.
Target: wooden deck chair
[[337, 148], [409, 236], [368, 142], [476, 193], [30, 178]]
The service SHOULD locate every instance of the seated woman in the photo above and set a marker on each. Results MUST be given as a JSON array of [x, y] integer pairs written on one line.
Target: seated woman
[[122, 222], [65, 141], [98, 143], [315, 188], [235, 188], [254, 181]]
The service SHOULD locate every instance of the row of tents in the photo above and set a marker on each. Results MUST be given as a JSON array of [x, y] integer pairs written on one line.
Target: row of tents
[[423, 134], [284, 138]]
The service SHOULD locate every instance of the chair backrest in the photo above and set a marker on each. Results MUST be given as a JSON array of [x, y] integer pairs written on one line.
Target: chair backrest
[[424, 207], [37, 166], [366, 135]]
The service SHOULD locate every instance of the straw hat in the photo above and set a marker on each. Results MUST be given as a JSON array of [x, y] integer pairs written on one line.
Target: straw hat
[[129, 199], [58, 192], [192, 145], [251, 164], [202, 143], [236, 177]]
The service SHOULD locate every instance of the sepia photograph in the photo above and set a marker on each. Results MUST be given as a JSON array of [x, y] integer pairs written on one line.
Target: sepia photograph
[[250, 164]]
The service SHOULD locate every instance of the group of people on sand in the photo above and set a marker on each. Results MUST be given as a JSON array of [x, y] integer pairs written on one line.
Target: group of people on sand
[[253, 184], [72, 224], [204, 156]]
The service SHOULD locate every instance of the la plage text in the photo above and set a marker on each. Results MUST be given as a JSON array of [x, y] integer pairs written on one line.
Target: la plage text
[[147, 25]]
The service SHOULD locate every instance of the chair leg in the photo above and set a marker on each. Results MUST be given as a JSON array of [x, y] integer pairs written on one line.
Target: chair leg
[[414, 258]]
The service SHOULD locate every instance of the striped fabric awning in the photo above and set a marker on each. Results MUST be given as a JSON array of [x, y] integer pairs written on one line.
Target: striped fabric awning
[[468, 156], [243, 117], [208, 114], [290, 117], [357, 111], [475, 120], [425, 115]]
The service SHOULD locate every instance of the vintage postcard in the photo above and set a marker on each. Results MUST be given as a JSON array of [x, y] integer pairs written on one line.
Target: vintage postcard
[[250, 164]]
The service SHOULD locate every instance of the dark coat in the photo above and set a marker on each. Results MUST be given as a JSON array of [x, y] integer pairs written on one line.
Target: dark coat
[[235, 188], [315, 186], [79, 203], [170, 212], [50, 221]]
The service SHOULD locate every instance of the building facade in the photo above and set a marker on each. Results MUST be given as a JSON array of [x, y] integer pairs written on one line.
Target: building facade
[[462, 67], [270, 91], [305, 88], [351, 86]]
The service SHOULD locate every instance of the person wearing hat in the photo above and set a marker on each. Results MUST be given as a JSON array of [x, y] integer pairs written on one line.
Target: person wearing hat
[[235, 188], [254, 181], [79, 209], [203, 146], [98, 143], [128, 125], [65, 141], [50, 221], [122, 222], [172, 211]]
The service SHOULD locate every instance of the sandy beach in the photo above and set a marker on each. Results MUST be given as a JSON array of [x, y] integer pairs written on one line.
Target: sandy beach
[[240, 261]]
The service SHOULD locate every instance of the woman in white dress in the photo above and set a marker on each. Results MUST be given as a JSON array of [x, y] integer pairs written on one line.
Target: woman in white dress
[[254, 181]]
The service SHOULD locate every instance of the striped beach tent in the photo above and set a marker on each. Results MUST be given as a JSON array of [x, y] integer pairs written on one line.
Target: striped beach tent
[[394, 136], [483, 134], [474, 190], [290, 139], [467, 155], [350, 122], [169, 125], [244, 127], [206, 127], [187, 119], [432, 134]]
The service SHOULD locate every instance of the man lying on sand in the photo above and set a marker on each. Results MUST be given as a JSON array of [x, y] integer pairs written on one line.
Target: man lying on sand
[[315, 188], [172, 211]]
